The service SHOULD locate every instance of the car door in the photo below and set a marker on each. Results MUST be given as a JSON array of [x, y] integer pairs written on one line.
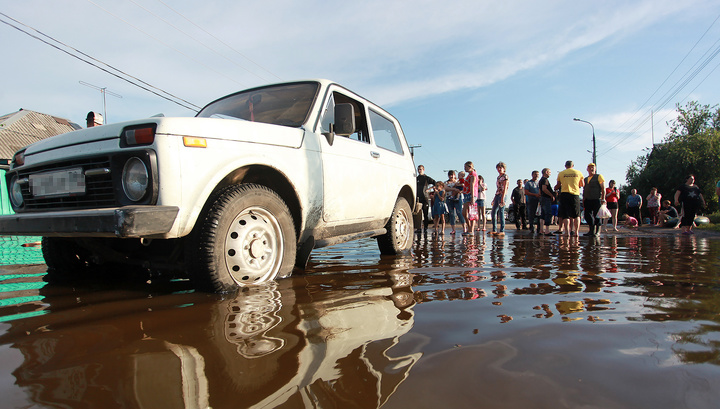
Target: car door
[[351, 177], [393, 159]]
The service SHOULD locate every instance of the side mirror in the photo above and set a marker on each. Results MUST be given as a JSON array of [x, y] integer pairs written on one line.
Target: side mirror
[[344, 119], [344, 115]]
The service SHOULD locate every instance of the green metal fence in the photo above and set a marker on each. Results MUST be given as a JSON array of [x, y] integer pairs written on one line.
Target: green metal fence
[[5, 207], [16, 249]]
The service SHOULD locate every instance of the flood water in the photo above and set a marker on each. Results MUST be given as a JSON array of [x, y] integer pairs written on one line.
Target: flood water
[[518, 322]]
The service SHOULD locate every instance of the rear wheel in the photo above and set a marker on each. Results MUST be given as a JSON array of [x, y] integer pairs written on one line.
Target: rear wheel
[[398, 238], [510, 215], [246, 237]]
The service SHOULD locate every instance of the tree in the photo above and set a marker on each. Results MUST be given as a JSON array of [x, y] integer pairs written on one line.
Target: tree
[[691, 147], [693, 119]]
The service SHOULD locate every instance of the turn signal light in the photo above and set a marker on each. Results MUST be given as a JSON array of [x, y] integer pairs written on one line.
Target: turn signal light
[[192, 142], [19, 158], [140, 136]]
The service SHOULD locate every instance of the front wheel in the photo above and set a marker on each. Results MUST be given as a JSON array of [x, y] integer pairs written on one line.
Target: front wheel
[[246, 237], [398, 238], [66, 260]]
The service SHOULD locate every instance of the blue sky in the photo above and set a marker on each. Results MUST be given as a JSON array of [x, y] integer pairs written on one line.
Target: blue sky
[[469, 80]]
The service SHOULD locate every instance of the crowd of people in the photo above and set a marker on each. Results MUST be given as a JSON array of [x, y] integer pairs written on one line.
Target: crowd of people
[[539, 203]]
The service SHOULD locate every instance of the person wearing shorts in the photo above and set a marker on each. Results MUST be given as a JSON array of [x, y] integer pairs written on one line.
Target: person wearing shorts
[[612, 196], [571, 180]]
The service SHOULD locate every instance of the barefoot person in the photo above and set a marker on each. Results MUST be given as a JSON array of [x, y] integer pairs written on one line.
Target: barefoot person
[[498, 207], [471, 197], [571, 180], [690, 196], [612, 196]]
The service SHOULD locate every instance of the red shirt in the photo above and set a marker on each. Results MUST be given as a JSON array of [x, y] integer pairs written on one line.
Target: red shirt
[[611, 196]]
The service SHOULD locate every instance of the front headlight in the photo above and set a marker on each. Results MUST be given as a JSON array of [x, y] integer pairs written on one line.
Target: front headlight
[[16, 193], [135, 179]]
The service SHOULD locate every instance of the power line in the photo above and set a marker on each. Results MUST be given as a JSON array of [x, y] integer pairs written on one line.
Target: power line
[[696, 87], [671, 73], [679, 85], [122, 75], [163, 43], [195, 39], [222, 42]]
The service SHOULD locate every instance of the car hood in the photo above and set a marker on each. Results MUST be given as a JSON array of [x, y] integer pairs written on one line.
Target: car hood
[[211, 128]]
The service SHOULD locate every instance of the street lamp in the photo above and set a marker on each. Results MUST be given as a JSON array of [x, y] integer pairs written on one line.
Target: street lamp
[[594, 158]]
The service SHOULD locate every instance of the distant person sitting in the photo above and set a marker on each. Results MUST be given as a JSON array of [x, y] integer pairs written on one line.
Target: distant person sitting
[[666, 213], [94, 119]]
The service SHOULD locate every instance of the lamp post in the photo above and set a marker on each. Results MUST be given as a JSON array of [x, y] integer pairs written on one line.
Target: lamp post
[[594, 157]]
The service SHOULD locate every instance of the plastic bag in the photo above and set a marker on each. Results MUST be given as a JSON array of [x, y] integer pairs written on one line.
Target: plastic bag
[[603, 212], [473, 212]]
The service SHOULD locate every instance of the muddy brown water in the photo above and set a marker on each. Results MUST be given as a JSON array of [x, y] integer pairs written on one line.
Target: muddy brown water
[[521, 322]]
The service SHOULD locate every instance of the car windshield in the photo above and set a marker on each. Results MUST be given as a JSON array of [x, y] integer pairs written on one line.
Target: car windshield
[[286, 104]]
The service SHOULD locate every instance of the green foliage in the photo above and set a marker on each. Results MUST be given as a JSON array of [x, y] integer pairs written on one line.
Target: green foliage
[[691, 147], [714, 218], [692, 120]]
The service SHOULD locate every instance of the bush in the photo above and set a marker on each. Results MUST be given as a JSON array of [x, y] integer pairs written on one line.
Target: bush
[[714, 223], [714, 218]]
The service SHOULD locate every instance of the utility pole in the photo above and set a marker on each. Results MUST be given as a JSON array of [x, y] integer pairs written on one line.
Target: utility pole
[[412, 149], [652, 127], [103, 91]]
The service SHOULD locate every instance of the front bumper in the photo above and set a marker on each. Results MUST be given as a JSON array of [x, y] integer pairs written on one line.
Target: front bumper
[[126, 222]]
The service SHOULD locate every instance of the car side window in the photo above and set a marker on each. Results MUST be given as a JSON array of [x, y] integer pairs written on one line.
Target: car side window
[[385, 133], [361, 133], [328, 115]]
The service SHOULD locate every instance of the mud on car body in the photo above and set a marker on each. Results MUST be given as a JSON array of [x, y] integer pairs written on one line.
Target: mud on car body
[[239, 194]]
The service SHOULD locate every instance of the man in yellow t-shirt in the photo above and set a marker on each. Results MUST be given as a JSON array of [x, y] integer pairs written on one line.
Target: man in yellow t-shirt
[[571, 181]]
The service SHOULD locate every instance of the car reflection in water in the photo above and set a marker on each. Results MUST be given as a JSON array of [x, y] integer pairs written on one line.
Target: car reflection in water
[[295, 343]]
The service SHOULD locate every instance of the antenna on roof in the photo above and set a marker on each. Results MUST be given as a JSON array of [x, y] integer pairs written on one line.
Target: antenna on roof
[[103, 91]]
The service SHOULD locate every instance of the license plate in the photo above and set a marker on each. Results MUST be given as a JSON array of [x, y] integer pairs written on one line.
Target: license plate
[[70, 182]]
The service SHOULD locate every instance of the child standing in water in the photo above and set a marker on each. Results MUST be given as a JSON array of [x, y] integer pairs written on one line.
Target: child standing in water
[[439, 207], [470, 198], [498, 208]]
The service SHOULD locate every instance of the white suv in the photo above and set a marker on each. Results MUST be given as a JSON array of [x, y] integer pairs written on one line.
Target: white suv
[[235, 196]]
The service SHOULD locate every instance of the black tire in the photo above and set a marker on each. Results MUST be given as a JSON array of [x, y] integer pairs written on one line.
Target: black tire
[[246, 237], [66, 260], [399, 236], [510, 216]]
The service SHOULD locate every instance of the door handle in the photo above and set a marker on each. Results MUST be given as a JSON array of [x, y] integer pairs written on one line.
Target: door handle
[[375, 154]]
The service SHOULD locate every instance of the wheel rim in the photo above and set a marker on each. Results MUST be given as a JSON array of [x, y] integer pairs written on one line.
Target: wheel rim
[[402, 228], [253, 247]]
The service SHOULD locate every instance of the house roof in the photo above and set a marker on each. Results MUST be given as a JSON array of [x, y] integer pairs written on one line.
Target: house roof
[[25, 127]]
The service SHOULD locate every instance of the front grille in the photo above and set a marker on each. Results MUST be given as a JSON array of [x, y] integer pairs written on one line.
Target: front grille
[[99, 190]]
